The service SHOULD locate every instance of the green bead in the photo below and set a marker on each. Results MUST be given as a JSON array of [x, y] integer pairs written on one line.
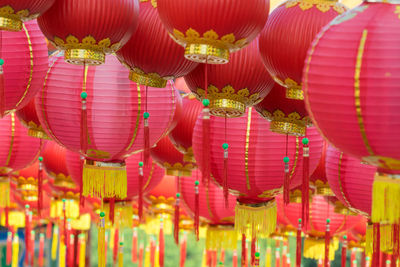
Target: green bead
[[387, 261], [84, 95], [257, 254], [64, 200], [196, 183], [40, 159], [69, 220], [225, 146], [141, 164], [102, 214], [146, 115], [178, 195], [299, 220], [286, 159], [328, 220], [206, 102], [305, 141], [1, 62], [27, 206], [345, 237], [121, 243]]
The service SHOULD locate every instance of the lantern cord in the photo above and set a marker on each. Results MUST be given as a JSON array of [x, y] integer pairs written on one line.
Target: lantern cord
[[134, 246], [206, 131], [9, 248], [305, 198], [244, 251], [298, 244], [146, 131], [286, 181], [197, 208], [327, 243], [176, 214], [115, 248], [225, 181], [161, 244]]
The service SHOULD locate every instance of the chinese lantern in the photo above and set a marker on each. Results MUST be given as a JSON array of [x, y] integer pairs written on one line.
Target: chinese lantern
[[28, 117], [234, 86], [318, 178], [14, 12], [365, 66], [206, 37], [288, 33], [99, 113], [255, 170], [181, 135], [153, 64], [89, 30], [287, 116], [23, 66]]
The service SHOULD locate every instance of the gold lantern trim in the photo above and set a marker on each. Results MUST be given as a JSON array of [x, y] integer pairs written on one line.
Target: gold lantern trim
[[179, 169], [61, 180], [35, 130], [162, 205], [149, 79], [322, 188], [321, 5], [12, 20]]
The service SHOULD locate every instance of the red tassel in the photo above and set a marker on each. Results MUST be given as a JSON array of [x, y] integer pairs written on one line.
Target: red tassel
[[196, 210], [176, 219], [65, 224], [9, 248], [152, 253], [286, 182], [141, 250], [78, 241], [2, 92], [222, 257], [27, 234], [81, 197], [225, 181], [277, 257], [134, 247], [106, 246], [209, 258], [183, 252], [214, 258], [376, 244], [7, 211], [40, 183], [234, 259], [344, 251], [140, 181], [305, 199], [298, 245], [206, 146], [161, 244], [49, 230], [244, 251], [396, 243], [116, 243], [32, 248], [112, 208], [327, 242], [253, 251], [41, 250], [71, 251], [352, 258], [146, 141]]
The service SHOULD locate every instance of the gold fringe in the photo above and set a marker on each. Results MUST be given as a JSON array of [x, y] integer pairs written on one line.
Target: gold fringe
[[152, 226], [386, 238], [147, 256], [71, 208], [221, 237], [315, 248], [123, 213], [101, 243], [15, 219], [104, 181], [62, 253], [256, 220], [386, 200], [5, 196]]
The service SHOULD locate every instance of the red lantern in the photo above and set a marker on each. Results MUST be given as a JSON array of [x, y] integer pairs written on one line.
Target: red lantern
[[181, 85], [28, 182], [88, 30], [346, 98], [318, 178], [350, 180], [234, 86], [153, 64], [94, 110], [287, 116], [168, 157], [210, 30], [255, 167], [14, 12], [28, 117], [23, 66], [181, 135], [287, 35]]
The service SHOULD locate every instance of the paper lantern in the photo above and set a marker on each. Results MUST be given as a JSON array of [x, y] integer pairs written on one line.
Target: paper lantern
[[28, 117], [162, 197], [340, 93], [181, 135], [234, 86], [96, 111], [287, 35], [318, 178], [287, 116], [255, 167], [206, 37], [14, 12], [153, 64], [169, 158], [89, 30], [23, 66]]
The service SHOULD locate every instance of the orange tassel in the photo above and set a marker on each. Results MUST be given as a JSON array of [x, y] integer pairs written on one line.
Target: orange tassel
[[116, 242], [140, 181], [141, 252], [298, 245], [376, 244], [134, 246], [244, 251], [41, 250], [327, 242], [234, 259], [161, 244], [183, 252], [305, 199], [9, 248], [176, 219], [152, 253]]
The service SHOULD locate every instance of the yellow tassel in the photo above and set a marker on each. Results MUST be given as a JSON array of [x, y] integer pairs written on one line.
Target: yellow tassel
[[62, 253], [256, 220], [123, 214], [386, 200], [386, 238], [15, 251], [71, 208], [315, 248], [82, 251], [121, 255], [157, 258], [152, 226], [204, 260], [101, 241], [268, 257], [54, 243], [220, 237], [104, 181], [147, 257], [112, 235], [82, 223], [15, 219], [5, 197]]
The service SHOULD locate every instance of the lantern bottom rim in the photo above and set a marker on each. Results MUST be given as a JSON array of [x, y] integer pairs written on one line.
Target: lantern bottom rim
[[10, 24], [227, 107], [82, 56], [147, 79], [295, 93], [178, 172], [324, 190], [38, 134], [206, 53], [289, 128]]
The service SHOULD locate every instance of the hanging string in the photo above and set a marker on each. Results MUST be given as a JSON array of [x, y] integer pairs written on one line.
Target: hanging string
[[140, 187], [176, 219], [305, 198], [298, 244], [327, 242], [2, 85], [196, 208], [225, 146], [27, 233], [40, 181], [206, 131], [146, 116]]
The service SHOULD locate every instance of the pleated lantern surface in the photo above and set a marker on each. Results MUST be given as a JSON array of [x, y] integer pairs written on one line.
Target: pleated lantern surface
[[211, 210], [358, 94], [88, 30], [232, 87], [96, 111], [172, 160], [206, 37], [153, 64], [318, 178], [28, 117], [14, 12], [25, 59], [287, 116], [288, 33], [255, 170], [181, 135]]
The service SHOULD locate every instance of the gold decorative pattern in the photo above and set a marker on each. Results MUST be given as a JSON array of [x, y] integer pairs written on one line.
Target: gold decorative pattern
[[162, 205], [271, 193], [342, 209], [291, 124], [10, 20], [322, 188], [139, 107], [99, 154], [293, 89], [149, 79], [246, 153], [321, 5], [178, 169], [153, 2], [61, 180], [87, 51], [189, 155], [26, 183], [209, 48], [228, 101]]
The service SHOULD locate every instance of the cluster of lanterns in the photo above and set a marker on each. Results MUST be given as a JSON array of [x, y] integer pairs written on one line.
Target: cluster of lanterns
[[193, 115]]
